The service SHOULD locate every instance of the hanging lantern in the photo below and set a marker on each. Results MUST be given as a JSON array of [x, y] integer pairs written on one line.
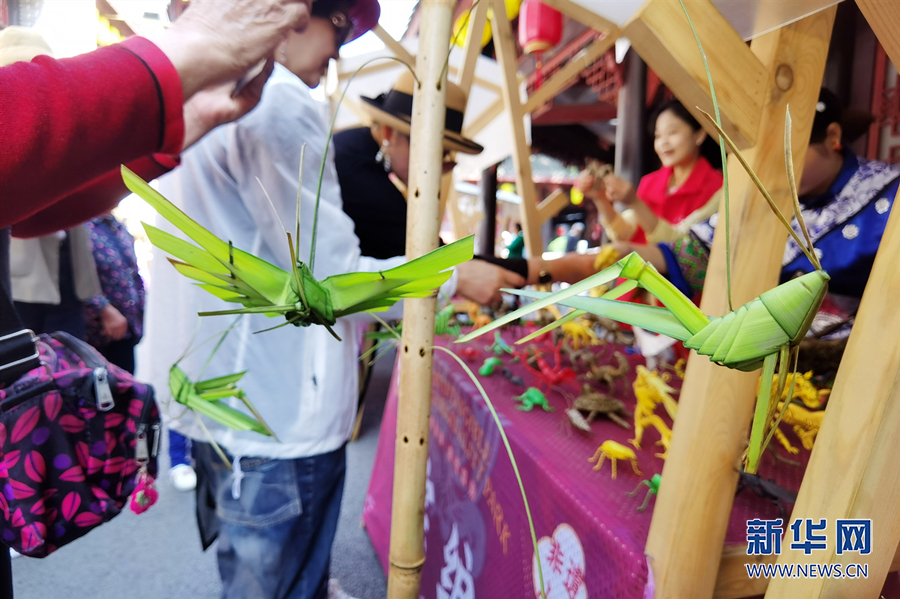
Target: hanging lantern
[[462, 23], [540, 28]]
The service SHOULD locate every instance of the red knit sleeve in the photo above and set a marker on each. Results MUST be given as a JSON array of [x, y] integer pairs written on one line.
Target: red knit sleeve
[[92, 199], [71, 122]]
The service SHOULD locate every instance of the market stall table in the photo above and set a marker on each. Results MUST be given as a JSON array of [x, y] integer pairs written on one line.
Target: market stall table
[[591, 535]]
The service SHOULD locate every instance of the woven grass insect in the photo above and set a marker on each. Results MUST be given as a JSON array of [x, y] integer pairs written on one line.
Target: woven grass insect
[[765, 332], [262, 288]]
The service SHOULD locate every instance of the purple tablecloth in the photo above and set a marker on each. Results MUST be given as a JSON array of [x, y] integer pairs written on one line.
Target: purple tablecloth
[[591, 536]]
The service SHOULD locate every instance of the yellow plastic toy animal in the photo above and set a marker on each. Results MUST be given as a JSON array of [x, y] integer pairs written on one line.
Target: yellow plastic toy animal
[[804, 390], [653, 388], [806, 425], [665, 433], [577, 332], [614, 451]]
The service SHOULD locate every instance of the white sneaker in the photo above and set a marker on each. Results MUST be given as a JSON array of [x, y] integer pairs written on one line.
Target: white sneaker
[[335, 591], [183, 477], [13, 554]]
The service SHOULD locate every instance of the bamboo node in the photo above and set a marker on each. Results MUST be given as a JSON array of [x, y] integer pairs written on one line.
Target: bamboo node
[[417, 565]]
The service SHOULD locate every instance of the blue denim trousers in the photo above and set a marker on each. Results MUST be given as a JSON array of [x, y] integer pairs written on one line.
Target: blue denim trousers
[[277, 520]]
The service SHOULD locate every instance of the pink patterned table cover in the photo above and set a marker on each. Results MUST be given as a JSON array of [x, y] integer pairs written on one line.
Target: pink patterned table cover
[[591, 536]]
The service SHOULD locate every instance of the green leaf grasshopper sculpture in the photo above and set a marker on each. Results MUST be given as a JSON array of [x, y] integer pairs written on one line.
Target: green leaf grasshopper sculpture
[[236, 276], [206, 398]]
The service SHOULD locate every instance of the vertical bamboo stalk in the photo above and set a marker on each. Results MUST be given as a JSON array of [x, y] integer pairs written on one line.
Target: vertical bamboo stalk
[[407, 553]]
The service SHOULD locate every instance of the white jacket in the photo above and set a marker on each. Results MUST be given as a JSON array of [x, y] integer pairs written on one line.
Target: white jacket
[[301, 380]]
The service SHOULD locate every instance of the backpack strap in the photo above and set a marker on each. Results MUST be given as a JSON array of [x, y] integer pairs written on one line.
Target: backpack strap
[[18, 347]]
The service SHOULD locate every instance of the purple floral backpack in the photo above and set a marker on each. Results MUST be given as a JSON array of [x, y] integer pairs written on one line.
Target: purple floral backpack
[[78, 436]]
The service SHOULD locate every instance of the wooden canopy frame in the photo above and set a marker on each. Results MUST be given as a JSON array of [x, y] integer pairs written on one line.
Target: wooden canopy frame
[[862, 427]]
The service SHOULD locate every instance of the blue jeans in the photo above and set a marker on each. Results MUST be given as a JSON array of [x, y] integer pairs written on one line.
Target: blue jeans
[[179, 449], [275, 533]]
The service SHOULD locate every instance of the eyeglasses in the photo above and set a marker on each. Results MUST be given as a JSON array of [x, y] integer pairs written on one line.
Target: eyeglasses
[[343, 28]]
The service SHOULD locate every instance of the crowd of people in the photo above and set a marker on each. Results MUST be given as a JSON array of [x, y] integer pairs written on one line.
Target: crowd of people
[[170, 110]]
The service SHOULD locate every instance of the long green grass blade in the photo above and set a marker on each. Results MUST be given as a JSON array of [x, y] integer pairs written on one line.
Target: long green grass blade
[[601, 278], [759, 185], [652, 318], [267, 278], [222, 381], [792, 182], [715, 102], [760, 413], [614, 293]]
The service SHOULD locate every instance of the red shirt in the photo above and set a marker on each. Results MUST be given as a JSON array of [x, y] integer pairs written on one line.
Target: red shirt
[[673, 207], [68, 124]]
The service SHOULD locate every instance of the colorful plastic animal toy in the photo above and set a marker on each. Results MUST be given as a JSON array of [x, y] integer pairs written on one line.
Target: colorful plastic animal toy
[[607, 373], [653, 489], [515, 380], [665, 433], [550, 375], [533, 397], [651, 387], [470, 353], [487, 369], [578, 420], [804, 390], [476, 316], [767, 489], [614, 451], [806, 424], [599, 404], [499, 346]]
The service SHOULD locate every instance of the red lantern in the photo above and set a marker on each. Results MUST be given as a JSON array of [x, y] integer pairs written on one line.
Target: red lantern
[[540, 28]]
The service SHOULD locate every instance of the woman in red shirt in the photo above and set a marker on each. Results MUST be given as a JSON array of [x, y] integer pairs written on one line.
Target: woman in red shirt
[[682, 192]]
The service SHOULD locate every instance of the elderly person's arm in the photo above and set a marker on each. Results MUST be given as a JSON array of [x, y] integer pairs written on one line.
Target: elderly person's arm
[[71, 121]]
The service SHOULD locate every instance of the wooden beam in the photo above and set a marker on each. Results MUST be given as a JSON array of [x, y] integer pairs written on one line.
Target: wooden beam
[[565, 75], [884, 19], [732, 581], [582, 15], [660, 33], [484, 119], [564, 114], [393, 45], [858, 439], [490, 85], [521, 151], [472, 47], [373, 68], [551, 205], [701, 473]]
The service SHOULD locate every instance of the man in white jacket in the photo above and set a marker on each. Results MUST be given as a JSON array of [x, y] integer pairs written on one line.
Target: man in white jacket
[[276, 510]]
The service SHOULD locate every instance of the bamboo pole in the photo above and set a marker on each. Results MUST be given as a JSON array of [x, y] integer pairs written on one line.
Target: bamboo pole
[[687, 532], [407, 554]]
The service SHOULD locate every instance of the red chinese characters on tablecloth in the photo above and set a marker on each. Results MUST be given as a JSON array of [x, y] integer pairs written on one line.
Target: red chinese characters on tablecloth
[[562, 565]]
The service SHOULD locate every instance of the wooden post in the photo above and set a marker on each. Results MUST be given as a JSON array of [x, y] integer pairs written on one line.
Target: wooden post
[[660, 33], [854, 472], [407, 553], [687, 533], [884, 19], [474, 31], [507, 59], [488, 229]]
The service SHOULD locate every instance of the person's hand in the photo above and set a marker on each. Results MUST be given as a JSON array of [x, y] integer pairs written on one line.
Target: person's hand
[[589, 185], [481, 281], [215, 41], [216, 106], [115, 326], [618, 190]]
